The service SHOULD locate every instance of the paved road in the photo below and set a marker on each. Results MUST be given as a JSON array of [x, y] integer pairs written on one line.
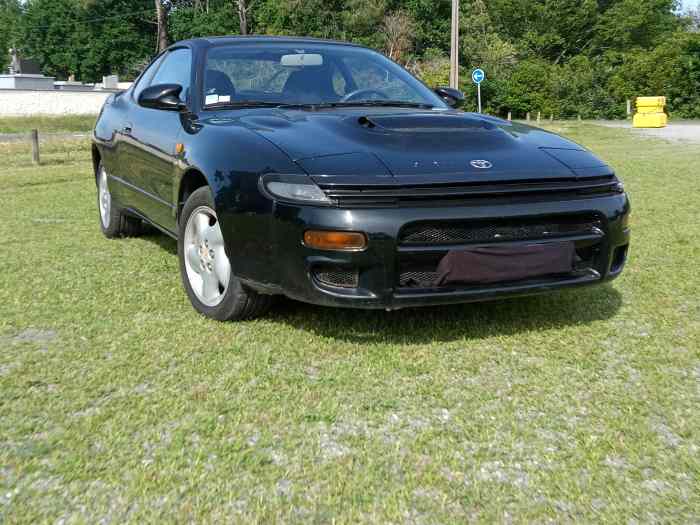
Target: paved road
[[681, 131]]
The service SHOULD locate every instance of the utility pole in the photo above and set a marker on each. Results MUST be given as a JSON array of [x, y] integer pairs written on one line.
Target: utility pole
[[454, 46]]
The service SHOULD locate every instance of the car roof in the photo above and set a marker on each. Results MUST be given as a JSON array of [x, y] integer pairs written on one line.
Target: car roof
[[262, 39]]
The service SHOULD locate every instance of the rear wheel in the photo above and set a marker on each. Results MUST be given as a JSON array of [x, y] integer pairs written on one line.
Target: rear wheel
[[205, 267], [113, 221]]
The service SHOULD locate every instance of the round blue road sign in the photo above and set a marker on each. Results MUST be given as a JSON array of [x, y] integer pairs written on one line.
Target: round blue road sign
[[478, 76]]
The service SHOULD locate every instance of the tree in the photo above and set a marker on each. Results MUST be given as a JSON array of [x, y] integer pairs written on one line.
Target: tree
[[201, 20], [481, 45], [87, 38], [553, 30], [243, 7], [50, 35], [162, 8], [9, 37], [114, 36], [397, 29], [359, 20], [628, 24]]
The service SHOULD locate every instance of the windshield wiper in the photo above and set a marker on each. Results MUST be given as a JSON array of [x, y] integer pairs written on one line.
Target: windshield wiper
[[242, 104], [356, 103], [319, 105], [385, 103]]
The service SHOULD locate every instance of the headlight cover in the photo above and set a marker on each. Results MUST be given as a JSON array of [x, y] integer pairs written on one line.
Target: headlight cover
[[295, 188]]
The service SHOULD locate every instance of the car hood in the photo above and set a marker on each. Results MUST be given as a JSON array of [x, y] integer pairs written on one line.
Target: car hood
[[420, 145]]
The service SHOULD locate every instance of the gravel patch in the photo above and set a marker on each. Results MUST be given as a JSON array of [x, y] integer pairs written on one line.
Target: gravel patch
[[684, 132], [35, 335]]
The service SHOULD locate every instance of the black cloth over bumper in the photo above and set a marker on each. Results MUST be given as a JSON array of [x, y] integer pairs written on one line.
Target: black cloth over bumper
[[495, 264]]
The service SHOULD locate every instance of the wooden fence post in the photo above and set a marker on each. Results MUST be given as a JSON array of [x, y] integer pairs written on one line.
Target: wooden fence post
[[551, 118], [539, 117], [527, 116], [510, 116], [34, 136]]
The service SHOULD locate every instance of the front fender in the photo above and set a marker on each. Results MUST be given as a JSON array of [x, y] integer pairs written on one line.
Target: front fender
[[232, 159]]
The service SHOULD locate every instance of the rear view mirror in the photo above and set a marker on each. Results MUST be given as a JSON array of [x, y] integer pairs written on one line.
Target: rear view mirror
[[453, 97], [162, 96], [301, 60]]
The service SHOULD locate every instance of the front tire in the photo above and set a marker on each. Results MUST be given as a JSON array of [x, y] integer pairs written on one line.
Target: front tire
[[113, 222], [205, 268]]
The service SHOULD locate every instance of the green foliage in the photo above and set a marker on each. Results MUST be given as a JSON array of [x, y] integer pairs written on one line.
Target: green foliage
[[671, 69], [633, 24], [50, 35], [194, 22], [434, 70], [566, 57], [87, 38], [112, 45], [9, 22]]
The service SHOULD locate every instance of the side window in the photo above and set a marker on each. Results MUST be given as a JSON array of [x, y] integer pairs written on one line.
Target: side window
[[145, 79], [176, 69]]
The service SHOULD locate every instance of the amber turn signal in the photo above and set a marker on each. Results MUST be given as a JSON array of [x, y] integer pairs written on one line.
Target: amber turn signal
[[340, 241]]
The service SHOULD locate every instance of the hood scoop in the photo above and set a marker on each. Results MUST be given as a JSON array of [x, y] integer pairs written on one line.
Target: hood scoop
[[425, 123]]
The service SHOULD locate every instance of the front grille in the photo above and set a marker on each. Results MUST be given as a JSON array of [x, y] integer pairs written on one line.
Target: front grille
[[338, 277], [422, 245], [497, 231], [412, 279], [397, 194]]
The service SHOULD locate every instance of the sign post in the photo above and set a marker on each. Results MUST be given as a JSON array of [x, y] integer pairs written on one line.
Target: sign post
[[478, 76]]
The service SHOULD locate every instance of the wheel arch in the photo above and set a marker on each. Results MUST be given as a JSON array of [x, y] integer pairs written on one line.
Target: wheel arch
[[191, 180], [96, 159]]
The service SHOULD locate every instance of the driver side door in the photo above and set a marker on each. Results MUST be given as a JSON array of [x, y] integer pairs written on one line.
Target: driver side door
[[154, 136]]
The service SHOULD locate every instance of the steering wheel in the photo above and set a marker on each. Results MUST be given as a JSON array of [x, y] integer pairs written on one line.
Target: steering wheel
[[358, 92]]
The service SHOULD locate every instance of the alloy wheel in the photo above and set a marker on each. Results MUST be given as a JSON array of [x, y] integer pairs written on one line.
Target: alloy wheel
[[105, 198], [207, 265]]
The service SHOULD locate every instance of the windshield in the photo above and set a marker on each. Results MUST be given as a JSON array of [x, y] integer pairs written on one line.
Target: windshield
[[308, 74]]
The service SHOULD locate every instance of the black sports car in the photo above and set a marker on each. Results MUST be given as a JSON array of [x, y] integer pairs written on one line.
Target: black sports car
[[325, 172]]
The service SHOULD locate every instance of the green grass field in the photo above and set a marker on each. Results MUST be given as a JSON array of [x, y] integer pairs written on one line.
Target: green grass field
[[119, 404], [48, 124]]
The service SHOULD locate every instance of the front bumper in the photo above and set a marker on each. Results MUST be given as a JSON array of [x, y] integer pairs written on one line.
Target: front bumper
[[292, 268]]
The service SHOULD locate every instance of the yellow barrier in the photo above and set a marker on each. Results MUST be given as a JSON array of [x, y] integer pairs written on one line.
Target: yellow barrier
[[650, 113], [649, 102]]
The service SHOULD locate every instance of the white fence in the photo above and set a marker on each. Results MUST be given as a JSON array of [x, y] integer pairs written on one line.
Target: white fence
[[20, 102]]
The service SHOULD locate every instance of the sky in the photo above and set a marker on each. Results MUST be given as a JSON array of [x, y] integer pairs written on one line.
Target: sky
[[691, 3]]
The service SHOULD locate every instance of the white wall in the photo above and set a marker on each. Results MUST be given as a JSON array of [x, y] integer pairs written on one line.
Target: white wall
[[19, 102]]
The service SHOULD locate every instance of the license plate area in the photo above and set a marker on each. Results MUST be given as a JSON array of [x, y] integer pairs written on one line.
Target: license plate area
[[422, 247]]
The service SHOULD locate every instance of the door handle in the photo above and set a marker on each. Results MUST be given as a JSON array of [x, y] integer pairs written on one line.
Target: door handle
[[126, 129]]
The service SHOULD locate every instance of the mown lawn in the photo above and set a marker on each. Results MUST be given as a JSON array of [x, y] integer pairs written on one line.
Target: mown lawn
[[48, 124], [118, 403]]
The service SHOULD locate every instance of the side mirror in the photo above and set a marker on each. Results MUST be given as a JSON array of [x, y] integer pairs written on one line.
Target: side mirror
[[453, 97], [162, 96]]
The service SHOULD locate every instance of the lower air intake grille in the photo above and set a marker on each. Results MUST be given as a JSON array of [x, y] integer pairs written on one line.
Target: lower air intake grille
[[339, 277], [417, 279], [460, 233]]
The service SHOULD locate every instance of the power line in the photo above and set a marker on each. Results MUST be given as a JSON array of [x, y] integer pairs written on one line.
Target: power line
[[173, 6], [88, 21]]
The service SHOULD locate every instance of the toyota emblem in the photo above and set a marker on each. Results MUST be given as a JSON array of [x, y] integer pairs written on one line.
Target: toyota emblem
[[481, 164]]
